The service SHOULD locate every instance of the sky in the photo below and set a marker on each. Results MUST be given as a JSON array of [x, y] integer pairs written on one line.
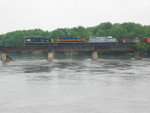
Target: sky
[[52, 14]]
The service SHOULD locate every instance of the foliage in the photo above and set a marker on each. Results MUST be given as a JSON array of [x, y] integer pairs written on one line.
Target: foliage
[[146, 30], [142, 47], [117, 30], [16, 38]]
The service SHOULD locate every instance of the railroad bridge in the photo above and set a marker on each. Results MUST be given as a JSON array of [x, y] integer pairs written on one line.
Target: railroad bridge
[[94, 48]]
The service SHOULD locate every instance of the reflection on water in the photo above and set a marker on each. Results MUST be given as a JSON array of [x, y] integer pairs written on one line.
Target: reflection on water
[[32, 85]]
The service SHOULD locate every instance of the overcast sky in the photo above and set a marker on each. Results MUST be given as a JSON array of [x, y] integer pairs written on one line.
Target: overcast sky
[[53, 14]]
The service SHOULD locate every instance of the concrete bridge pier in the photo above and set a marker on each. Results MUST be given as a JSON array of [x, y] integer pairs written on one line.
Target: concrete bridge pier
[[50, 56], [94, 55], [137, 55], [5, 58]]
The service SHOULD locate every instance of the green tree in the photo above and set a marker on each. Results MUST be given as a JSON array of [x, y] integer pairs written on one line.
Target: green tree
[[117, 30], [103, 29], [146, 30], [132, 30], [142, 47], [60, 33], [78, 32]]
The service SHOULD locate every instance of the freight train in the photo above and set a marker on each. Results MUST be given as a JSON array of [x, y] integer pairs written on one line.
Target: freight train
[[77, 40]]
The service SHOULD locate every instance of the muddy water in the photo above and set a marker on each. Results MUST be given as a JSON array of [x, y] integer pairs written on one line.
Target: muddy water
[[75, 86]]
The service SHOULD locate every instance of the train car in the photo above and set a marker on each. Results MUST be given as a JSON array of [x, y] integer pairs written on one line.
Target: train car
[[107, 39], [129, 41], [37, 41], [71, 40], [147, 39]]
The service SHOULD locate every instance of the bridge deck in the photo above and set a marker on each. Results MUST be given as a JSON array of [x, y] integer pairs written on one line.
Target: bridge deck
[[46, 48]]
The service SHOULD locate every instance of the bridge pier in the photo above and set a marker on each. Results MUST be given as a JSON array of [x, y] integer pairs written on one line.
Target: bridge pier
[[94, 55], [137, 55], [5, 58], [50, 56]]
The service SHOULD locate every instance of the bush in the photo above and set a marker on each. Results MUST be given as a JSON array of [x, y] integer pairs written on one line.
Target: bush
[[142, 47]]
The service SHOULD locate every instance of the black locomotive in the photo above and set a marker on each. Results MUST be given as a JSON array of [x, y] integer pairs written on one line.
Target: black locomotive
[[37, 41]]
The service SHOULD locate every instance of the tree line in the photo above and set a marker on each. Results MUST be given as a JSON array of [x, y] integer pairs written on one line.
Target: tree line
[[117, 30]]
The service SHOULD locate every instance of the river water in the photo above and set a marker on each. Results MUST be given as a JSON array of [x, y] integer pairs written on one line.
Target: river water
[[75, 85]]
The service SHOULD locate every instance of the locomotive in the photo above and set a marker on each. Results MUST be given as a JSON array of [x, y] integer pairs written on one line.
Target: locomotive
[[37, 41], [67, 40], [106, 39]]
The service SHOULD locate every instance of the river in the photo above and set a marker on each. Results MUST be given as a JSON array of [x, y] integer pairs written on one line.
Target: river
[[75, 85]]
